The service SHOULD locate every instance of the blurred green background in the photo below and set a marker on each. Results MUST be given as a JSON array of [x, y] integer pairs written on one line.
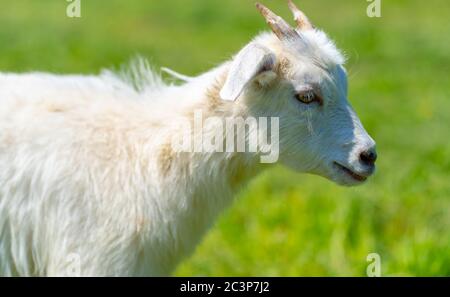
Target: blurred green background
[[287, 224]]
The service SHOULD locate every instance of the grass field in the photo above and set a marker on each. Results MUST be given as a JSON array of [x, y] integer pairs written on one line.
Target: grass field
[[287, 224]]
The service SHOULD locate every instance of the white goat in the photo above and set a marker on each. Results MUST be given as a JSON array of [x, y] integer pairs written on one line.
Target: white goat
[[90, 183]]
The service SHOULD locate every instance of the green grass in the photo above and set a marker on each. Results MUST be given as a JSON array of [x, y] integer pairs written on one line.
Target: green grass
[[287, 224]]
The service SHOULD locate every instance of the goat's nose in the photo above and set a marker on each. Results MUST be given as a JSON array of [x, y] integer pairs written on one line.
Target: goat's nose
[[368, 157]]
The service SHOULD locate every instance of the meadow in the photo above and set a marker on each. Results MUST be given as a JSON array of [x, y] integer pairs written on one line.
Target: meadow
[[284, 223]]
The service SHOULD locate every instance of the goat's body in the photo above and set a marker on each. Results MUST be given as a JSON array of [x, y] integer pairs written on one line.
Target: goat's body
[[88, 175], [90, 183]]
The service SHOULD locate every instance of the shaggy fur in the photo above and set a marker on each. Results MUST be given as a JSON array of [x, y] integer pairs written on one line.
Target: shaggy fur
[[87, 168]]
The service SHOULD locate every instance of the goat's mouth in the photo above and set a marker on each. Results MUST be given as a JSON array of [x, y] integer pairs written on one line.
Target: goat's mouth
[[350, 173]]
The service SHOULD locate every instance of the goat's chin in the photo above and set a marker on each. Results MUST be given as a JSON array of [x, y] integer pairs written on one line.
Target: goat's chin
[[347, 182], [343, 178], [339, 177], [340, 180]]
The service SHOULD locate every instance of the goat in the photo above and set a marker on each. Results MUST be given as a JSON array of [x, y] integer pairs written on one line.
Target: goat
[[91, 183]]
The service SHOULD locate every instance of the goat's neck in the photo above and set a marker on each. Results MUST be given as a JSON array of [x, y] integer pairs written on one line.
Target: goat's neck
[[206, 182], [200, 97], [232, 169]]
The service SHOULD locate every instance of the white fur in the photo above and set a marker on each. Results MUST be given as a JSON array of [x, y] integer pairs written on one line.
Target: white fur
[[86, 169]]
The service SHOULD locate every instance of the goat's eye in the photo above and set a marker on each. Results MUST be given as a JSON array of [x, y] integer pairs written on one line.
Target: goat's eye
[[307, 97]]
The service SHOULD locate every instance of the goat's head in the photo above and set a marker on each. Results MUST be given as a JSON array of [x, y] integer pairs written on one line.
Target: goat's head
[[298, 75]]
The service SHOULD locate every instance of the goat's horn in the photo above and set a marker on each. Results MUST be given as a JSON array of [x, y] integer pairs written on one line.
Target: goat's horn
[[279, 26], [300, 18]]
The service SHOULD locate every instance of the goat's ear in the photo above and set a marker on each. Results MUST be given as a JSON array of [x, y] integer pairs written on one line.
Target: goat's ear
[[251, 61]]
